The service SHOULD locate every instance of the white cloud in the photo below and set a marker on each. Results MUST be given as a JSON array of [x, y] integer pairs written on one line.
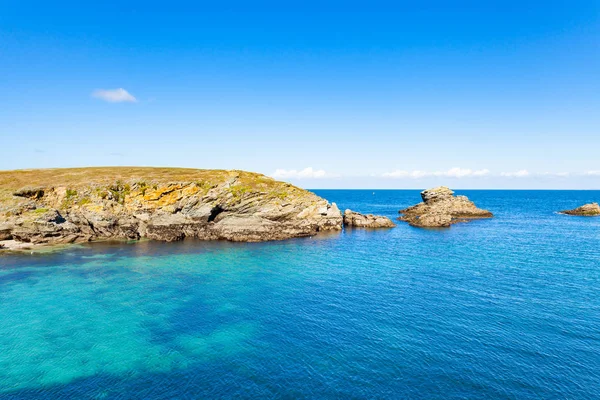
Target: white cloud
[[461, 172], [451, 173], [555, 174], [403, 174], [305, 173], [114, 95], [519, 174]]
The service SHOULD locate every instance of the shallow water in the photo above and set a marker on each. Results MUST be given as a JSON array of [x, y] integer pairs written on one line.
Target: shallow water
[[500, 308]]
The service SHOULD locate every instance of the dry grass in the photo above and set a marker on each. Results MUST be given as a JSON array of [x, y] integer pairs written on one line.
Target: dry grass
[[74, 178]]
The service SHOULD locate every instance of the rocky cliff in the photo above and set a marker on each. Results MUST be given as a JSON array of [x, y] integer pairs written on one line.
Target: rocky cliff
[[77, 205], [440, 208]]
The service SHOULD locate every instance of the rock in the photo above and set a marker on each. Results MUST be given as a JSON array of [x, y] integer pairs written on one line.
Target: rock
[[163, 204], [31, 192], [586, 210], [433, 219], [50, 216], [358, 220], [440, 193], [15, 245], [440, 208], [5, 231]]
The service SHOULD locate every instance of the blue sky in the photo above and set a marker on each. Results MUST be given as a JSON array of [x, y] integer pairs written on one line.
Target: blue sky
[[498, 95]]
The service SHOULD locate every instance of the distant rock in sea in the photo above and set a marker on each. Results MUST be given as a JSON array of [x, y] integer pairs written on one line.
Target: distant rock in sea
[[586, 210], [358, 220], [58, 206], [440, 208]]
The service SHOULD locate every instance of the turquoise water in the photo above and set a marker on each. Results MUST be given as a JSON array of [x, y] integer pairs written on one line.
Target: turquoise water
[[501, 308]]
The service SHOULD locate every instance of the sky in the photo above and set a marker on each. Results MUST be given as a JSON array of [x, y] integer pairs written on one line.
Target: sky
[[493, 94]]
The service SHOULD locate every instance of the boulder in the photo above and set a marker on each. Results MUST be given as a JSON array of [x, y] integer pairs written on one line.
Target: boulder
[[433, 219], [440, 208], [586, 210], [358, 220], [440, 193], [30, 192], [5, 231]]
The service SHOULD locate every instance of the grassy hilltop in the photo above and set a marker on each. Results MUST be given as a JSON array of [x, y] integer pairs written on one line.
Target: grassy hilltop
[[124, 178]]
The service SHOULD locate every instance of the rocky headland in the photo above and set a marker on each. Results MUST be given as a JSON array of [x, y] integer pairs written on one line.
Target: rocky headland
[[586, 210], [440, 208], [358, 220], [58, 206]]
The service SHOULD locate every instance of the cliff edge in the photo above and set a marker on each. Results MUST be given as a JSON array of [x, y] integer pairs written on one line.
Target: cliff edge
[[54, 206]]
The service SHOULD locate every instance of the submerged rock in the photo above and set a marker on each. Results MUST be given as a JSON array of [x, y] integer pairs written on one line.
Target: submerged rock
[[586, 210], [359, 220], [78, 205], [440, 208]]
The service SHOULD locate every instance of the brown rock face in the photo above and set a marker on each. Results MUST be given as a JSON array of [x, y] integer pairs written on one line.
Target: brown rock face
[[5, 231], [357, 220], [440, 208], [66, 206], [586, 210]]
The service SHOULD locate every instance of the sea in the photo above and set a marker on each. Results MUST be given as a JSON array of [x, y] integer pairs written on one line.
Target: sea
[[502, 308]]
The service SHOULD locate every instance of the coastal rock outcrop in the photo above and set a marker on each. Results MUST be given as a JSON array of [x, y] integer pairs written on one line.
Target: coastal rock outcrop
[[440, 208], [586, 210], [78, 205], [358, 220]]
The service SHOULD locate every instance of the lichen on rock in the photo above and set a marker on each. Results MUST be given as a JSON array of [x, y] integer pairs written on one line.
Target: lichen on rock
[[78, 205]]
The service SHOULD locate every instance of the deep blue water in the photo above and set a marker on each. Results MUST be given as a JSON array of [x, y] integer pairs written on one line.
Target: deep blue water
[[504, 308]]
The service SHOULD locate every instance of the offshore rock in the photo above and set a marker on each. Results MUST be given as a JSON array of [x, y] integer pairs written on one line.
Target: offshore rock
[[440, 208], [586, 210], [78, 205], [358, 220]]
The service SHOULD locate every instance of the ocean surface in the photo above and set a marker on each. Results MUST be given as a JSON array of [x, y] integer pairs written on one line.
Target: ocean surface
[[506, 308]]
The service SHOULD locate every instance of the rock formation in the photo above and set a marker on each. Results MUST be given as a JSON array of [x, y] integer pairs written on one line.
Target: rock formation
[[586, 210], [84, 204], [440, 208], [357, 220]]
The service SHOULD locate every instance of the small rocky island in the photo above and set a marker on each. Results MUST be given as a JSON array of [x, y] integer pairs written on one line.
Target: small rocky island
[[58, 206], [440, 208], [358, 220], [586, 210]]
